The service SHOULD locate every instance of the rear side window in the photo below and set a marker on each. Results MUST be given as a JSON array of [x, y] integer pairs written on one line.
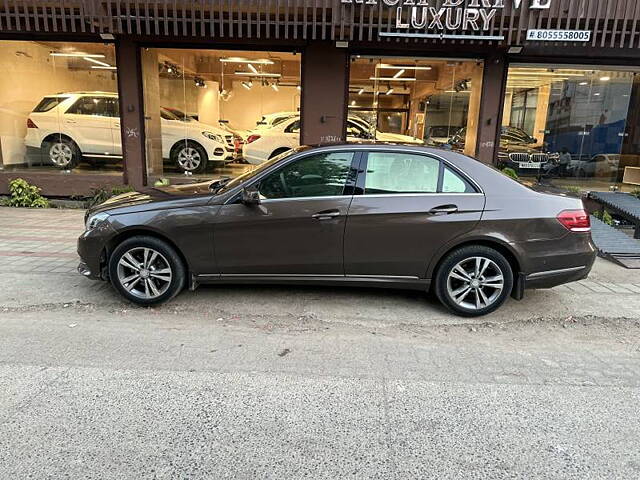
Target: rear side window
[[390, 172], [96, 106], [47, 103], [454, 183]]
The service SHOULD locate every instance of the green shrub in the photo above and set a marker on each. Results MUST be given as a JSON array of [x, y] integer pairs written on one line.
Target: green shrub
[[636, 193], [101, 195], [25, 195], [162, 182], [510, 172], [605, 217]]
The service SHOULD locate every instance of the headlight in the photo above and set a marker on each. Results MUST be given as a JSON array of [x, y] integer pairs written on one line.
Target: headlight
[[214, 137], [94, 220]]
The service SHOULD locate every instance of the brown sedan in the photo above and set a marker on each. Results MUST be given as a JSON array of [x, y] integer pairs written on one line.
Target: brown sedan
[[375, 215]]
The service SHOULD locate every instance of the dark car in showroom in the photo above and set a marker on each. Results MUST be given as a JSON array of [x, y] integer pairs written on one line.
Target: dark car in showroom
[[353, 214], [518, 150]]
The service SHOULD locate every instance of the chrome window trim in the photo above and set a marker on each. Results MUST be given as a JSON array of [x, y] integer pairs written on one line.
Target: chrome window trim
[[427, 194], [354, 149], [319, 197]]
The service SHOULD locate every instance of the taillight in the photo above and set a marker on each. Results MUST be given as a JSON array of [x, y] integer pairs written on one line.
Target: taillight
[[30, 124], [252, 138], [575, 220]]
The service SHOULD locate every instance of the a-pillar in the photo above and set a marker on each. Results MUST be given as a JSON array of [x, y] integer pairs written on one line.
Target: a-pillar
[[131, 111], [325, 86], [494, 82]]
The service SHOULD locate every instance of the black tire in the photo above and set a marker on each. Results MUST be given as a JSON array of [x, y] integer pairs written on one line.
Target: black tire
[[62, 152], [189, 156], [277, 152], [468, 305], [136, 293]]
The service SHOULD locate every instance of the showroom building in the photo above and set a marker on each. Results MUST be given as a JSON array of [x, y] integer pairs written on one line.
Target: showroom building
[[99, 94]]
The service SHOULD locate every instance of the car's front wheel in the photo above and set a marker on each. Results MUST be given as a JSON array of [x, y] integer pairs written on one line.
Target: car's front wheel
[[473, 280], [62, 153], [146, 270], [189, 157]]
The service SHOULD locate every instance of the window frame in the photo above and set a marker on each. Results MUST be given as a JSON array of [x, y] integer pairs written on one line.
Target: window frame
[[348, 191], [362, 174]]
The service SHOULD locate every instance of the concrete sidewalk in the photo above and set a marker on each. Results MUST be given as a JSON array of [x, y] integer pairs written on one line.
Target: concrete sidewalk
[[38, 260]]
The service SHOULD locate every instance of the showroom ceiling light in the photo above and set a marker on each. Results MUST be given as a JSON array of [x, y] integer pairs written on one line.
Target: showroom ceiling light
[[400, 72], [389, 92], [252, 68], [251, 74], [400, 67], [361, 91], [76, 54], [259, 61], [247, 85], [93, 60], [274, 86], [392, 79], [605, 79], [100, 67]]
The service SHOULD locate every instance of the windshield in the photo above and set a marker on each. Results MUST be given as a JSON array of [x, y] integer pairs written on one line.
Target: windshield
[[258, 169]]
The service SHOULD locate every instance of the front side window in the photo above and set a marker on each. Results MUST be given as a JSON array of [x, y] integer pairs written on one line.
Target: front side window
[[391, 172], [320, 175]]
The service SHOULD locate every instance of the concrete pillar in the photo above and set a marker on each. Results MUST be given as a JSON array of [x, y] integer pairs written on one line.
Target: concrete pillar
[[471, 140], [494, 84], [153, 132], [208, 104], [506, 109], [542, 109], [325, 87], [131, 111]]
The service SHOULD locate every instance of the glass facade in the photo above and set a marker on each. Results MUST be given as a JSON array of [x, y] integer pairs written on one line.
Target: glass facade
[[415, 100], [571, 127], [59, 106], [208, 110]]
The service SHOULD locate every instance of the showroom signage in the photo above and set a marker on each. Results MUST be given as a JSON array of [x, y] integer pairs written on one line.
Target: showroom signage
[[452, 15]]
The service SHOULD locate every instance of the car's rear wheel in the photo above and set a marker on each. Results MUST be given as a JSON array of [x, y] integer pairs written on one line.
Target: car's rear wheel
[[146, 270], [62, 153], [473, 280], [189, 157]]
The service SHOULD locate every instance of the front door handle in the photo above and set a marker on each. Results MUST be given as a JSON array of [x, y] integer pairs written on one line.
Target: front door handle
[[443, 210], [326, 215]]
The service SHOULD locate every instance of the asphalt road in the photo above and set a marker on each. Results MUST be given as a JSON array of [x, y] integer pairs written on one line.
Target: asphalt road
[[109, 391]]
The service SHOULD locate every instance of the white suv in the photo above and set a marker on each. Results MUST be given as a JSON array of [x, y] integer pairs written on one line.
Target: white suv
[[262, 145], [67, 127]]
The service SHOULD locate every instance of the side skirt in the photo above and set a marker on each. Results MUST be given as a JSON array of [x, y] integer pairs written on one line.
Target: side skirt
[[411, 283]]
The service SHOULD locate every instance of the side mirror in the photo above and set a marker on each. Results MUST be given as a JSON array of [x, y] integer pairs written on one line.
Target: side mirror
[[250, 197]]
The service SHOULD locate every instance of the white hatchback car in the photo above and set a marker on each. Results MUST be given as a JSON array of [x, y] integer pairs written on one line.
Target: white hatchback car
[[262, 145], [67, 127]]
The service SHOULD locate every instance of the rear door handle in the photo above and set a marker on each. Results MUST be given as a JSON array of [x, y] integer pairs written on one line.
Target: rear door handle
[[326, 215], [443, 210]]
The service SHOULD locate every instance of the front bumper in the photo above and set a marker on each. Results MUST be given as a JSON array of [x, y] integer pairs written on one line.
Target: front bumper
[[93, 252]]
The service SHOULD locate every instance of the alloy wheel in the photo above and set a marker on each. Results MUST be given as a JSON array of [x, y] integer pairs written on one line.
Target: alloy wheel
[[475, 283], [189, 159], [144, 272], [60, 154]]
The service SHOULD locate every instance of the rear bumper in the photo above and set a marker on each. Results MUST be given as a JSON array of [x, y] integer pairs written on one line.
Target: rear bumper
[[553, 278], [550, 263]]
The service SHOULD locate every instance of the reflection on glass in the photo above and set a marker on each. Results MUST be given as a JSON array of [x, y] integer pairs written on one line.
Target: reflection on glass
[[59, 108], [576, 126], [415, 100], [208, 110]]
